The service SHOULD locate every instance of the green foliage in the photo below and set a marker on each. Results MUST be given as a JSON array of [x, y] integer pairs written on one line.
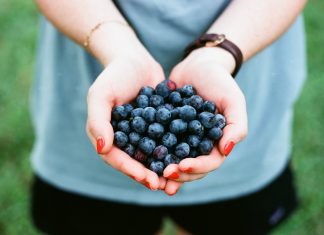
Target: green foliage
[[18, 27]]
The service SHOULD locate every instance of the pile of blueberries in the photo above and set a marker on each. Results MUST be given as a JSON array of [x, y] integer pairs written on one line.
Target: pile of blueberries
[[164, 125]]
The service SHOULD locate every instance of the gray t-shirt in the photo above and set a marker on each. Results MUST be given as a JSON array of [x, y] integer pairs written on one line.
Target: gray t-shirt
[[271, 82]]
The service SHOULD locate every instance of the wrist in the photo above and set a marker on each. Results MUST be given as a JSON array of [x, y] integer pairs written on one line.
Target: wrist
[[214, 55], [113, 41]]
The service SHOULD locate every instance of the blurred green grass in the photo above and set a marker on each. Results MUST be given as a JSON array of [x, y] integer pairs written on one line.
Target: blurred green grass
[[18, 29]]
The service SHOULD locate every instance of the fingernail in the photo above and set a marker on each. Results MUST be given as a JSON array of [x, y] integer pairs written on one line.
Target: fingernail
[[100, 144], [173, 193], [188, 170], [228, 148], [173, 176], [171, 85]]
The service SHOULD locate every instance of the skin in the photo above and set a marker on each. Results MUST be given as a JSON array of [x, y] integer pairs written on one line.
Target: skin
[[250, 24]]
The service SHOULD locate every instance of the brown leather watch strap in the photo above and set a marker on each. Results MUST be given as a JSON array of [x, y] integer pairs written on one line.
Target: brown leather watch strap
[[217, 40]]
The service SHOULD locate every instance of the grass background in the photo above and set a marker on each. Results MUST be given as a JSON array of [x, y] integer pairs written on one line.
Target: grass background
[[18, 30]]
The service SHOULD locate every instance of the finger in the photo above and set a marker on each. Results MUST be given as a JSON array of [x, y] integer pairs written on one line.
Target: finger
[[124, 163], [202, 164], [236, 128], [172, 187], [163, 182]]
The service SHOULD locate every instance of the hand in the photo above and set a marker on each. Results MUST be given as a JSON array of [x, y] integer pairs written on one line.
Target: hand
[[118, 84], [209, 71]]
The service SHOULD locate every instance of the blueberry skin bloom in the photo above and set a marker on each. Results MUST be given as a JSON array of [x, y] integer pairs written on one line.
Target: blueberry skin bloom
[[182, 150], [196, 101], [156, 101], [149, 114], [209, 106], [124, 126], [178, 126], [188, 91], [207, 119], [139, 125], [193, 141], [163, 116], [119, 113], [157, 167], [205, 146], [160, 152], [187, 113], [120, 139], [128, 108], [129, 149], [142, 101], [175, 98], [134, 138], [147, 90], [169, 140], [162, 89], [195, 127], [155, 130], [138, 112], [220, 121], [215, 133], [147, 145], [171, 159]]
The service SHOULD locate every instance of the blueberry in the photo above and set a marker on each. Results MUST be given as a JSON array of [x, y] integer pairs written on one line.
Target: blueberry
[[129, 149], [196, 101], [142, 101], [187, 113], [169, 140], [175, 98], [119, 113], [138, 112], [193, 141], [175, 113], [114, 124], [188, 91], [124, 126], [168, 106], [147, 90], [120, 139], [193, 153], [156, 100], [215, 133], [157, 167], [178, 126], [209, 106], [220, 121], [149, 161], [186, 101], [128, 108], [171, 159], [205, 146], [163, 116], [146, 145], [149, 114], [134, 138], [160, 152], [162, 89], [182, 150], [196, 128], [207, 119], [139, 125], [139, 156], [155, 130]]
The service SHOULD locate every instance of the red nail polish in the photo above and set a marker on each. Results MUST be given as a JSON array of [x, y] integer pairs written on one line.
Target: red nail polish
[[171, 85], [100, 144], [174, 176], [228, 148], [188, 170]]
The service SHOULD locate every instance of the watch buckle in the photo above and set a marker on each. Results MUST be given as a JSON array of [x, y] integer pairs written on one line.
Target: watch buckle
[[220, 38]]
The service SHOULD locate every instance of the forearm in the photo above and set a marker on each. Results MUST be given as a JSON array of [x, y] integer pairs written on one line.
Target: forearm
[[76, 18], [253, 24]]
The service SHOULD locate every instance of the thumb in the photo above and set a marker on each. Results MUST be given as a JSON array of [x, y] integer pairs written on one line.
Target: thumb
[[98, 126], [236, 124]]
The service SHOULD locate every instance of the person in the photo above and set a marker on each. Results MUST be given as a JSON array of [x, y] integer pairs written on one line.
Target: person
[[93, 55]]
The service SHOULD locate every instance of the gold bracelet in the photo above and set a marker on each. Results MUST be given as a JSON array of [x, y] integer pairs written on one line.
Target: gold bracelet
[[97, 26]]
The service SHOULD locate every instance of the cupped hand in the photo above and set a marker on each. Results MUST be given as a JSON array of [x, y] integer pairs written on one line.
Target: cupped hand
[[118, 84], [209, 71]]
